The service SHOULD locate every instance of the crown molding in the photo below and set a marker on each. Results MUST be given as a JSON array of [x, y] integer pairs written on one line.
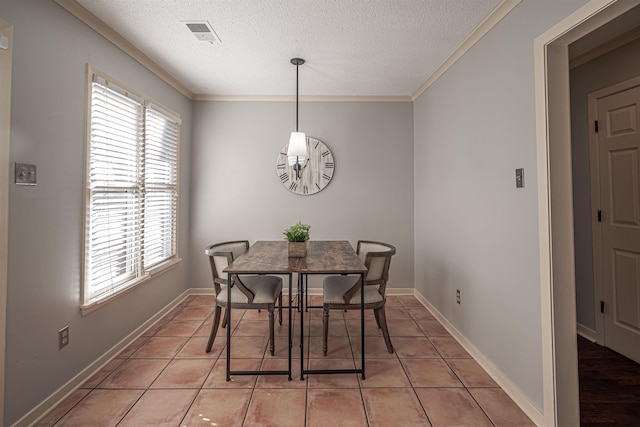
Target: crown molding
[[108, 33], [112, 36], [483, 28], [303, 98]]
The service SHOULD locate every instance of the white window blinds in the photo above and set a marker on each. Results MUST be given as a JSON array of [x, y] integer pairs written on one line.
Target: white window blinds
[[132, 194]]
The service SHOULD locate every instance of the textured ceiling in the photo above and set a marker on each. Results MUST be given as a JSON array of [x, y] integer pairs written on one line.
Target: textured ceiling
[[352, 47]]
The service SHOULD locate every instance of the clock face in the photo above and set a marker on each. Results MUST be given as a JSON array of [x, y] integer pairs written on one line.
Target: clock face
[[314, 174]]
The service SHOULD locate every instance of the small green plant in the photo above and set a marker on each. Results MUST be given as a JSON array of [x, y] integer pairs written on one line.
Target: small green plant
[[297, 232]]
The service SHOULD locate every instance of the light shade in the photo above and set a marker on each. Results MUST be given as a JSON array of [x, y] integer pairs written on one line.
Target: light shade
[[297, 148]]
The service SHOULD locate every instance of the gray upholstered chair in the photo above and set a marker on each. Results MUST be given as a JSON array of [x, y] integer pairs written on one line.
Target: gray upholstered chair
[[247, 291], [343, 292]]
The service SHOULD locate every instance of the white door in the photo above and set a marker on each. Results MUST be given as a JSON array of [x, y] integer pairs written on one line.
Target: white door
[[618, 118]]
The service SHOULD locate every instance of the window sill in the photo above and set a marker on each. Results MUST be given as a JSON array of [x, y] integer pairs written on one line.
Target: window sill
[[158, 271]]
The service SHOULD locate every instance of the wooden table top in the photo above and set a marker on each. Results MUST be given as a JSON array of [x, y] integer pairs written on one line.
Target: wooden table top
[[323, 256]]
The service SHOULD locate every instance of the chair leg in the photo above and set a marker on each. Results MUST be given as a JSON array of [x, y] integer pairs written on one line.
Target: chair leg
[[375, 312], [271, 343], [325, 330], [224, 319], [214, 328], [383, 325], [280, 309]]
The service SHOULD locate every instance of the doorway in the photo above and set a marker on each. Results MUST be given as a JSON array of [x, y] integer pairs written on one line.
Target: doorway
[[615, 148], [556, 216], [6, 31]]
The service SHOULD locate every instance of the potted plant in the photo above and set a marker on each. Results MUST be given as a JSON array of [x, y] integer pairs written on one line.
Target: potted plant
[[297, 236]]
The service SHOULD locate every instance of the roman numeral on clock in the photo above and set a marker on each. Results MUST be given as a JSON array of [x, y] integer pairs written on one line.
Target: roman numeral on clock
[[325, 153], [328, 165], [282, 165], [325, 176], [293, 185], [284, 177], [305, 189]]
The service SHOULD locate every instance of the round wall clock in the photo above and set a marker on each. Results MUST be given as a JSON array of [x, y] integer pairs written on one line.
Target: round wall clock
[[313, 175]]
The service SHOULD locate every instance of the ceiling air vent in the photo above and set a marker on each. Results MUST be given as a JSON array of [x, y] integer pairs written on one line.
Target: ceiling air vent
[[203, 31]]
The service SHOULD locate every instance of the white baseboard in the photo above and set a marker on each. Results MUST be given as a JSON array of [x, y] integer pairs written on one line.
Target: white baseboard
[[502, 380], [586, 333], [37, 413]]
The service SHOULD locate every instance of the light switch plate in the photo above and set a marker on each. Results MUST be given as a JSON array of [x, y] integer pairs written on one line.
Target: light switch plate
[[520, 178], [25, 174]]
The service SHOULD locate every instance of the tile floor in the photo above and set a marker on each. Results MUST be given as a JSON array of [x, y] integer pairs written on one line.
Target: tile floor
[[166, 379]]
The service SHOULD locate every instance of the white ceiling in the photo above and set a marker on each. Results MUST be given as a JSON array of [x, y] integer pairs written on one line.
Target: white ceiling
[[352, 47]]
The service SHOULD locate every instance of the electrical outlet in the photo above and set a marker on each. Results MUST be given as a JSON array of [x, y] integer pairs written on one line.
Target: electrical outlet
[[458, 296], [63, 337]]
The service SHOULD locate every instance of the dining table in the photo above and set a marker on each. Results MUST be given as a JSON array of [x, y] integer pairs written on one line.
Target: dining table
[[323, 257]]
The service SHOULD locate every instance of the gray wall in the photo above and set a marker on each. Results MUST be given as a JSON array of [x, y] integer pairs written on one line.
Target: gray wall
[[46, 221], [237, 195], [617, 66], [474, 230]]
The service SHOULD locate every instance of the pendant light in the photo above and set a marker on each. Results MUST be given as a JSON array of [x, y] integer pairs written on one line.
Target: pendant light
[[297, 151]]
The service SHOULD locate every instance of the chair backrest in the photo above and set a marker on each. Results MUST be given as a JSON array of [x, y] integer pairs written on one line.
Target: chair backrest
[[377, 257], [221, 255]]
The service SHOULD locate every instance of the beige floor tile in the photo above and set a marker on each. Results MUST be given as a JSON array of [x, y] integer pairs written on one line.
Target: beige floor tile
[[184, 373], [432, 328], [160, 408], [337, 328], [133, 347], [337, 347], [195, 348], [280, 381], [500, 408], [471, 373], [155, 328], [203, 300], [248, 347], [419, 312], [262, 315], [218, 407], [396, 312], [383, 373], [218, 376], [370, 328], [448, 347], [398, 407], [430, 373], [403, 328], [160, 347], [341, 407], [409, 301], [276, 407], [354, 314], [103, 408], [62, 408], [179, 329], [393, 300], [451, 407], [194, 313], [102, 373], [333, 380], [414, 347], [252, 328], [135, 373], [375, 348]]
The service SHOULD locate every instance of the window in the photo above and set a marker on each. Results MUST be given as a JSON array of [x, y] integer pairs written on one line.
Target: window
[[131, 190]]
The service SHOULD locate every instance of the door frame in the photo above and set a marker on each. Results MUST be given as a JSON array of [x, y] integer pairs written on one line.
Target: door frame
[[6, 57], [555, 210], [596, 230]]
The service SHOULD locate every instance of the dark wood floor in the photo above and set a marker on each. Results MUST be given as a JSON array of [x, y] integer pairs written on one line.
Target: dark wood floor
[[609, 387]]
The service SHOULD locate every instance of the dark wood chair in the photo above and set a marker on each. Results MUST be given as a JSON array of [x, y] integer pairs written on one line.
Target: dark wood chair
[[343, 292], [247, 291]]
